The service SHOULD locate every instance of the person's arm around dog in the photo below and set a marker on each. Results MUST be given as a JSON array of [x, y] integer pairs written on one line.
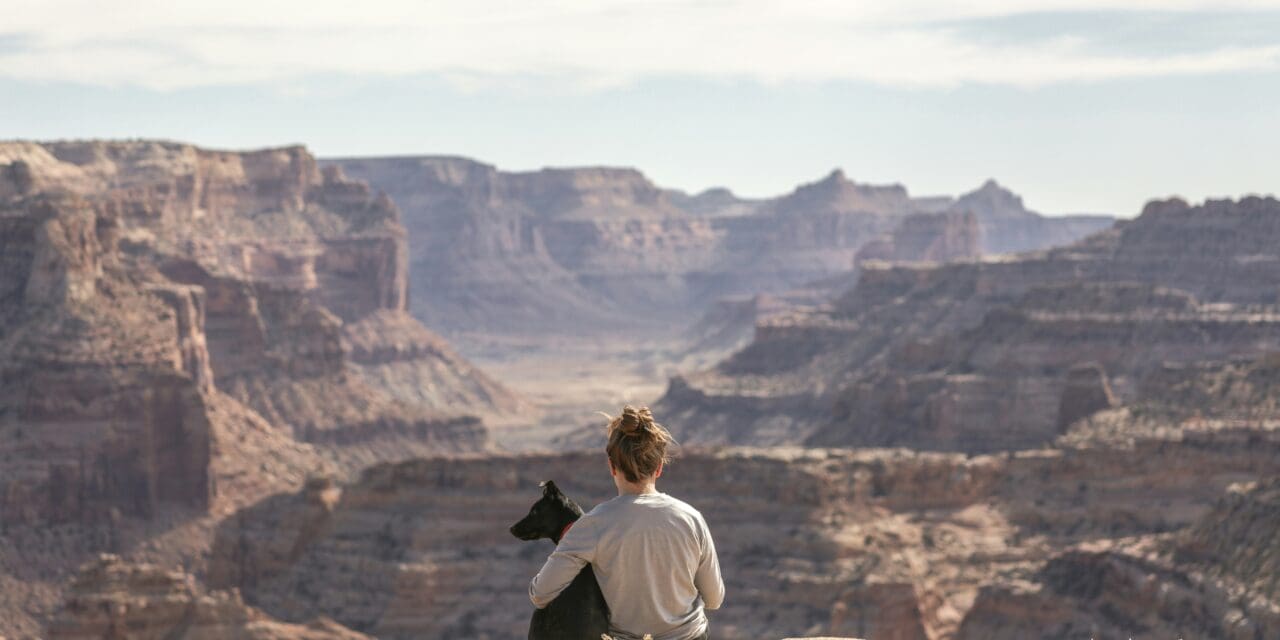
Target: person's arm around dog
[[572, 553]]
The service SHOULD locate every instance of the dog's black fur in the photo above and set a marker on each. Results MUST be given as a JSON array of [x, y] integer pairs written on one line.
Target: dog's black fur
[[579, 612]]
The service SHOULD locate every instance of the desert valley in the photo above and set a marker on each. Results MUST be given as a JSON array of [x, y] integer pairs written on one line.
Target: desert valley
[[263, 394]]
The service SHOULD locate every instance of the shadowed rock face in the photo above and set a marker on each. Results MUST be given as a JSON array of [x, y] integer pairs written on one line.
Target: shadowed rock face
[[111, 598], [979, 356], [595, 249]]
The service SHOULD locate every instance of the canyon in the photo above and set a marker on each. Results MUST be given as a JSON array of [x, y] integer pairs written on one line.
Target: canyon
[[874, 543], [1003, 352], [259, 394], [603, 250], [184, 331]]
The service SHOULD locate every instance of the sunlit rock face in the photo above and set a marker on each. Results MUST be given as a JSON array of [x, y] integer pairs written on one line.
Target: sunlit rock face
[[1213, 579], [863, 543], [183, 331], [106, 381], [112, 598], [987, 355], [147, 283], [603, 249]]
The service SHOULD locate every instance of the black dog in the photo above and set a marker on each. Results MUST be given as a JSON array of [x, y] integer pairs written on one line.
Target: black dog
[[579, 612]]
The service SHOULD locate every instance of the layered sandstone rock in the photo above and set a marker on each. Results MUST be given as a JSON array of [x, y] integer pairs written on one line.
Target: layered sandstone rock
[[105, 401], [111, 598], [984, 355], [928, 237], [183, 331], [570, 250], [1214, 579], [1237, 541], [273, 267], [872, 543], [1009, 227]]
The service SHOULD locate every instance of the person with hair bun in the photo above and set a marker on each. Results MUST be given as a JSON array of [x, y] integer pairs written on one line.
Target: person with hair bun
[[652, 554]]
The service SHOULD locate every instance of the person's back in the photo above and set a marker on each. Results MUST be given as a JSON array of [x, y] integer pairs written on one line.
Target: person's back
[[652, 554]]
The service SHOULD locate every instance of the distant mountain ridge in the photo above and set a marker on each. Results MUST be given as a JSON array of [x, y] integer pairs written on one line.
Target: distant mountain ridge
[[605, 249], [1001, 353]]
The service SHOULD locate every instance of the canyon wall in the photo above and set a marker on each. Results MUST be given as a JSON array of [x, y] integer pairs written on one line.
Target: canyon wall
[[113, 599], [865, 543], [994, 354], [563, 251], [292, 282], [184, 331]]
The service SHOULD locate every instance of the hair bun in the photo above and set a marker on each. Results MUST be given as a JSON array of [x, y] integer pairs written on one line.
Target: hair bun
[[631, 421]]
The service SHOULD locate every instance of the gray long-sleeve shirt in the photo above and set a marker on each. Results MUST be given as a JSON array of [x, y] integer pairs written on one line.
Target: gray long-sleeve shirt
[[654, 559]]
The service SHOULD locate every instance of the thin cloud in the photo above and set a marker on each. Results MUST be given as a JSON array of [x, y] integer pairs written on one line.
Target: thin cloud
[[589, 45]]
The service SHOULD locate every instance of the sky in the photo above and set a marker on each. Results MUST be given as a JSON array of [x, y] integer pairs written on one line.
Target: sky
[[1086, 106]]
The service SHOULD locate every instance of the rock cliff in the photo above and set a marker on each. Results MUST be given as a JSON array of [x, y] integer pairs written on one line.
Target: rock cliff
[[986, 355], [1214, 579], [1009, 227], [290, 283], [868, 543], [113, 599], [594, 249], [183, 331]]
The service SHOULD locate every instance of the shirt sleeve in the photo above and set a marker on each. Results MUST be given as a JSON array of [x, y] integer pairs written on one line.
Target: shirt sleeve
[[708, 580], [576, 549]]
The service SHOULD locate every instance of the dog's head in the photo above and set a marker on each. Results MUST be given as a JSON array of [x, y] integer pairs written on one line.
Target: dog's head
[[548, 516]]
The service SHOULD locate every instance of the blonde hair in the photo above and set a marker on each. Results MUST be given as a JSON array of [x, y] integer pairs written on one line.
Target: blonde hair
[[637, 445]]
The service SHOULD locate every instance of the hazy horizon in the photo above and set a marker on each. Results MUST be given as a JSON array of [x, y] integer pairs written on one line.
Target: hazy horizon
[[1080, 108]]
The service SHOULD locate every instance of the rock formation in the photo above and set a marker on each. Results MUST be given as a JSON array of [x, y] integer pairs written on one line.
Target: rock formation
[[869, 543], [571, 250], [1214, 579], [113, 599], [183, 331], [984, 355], [1009, 227], [288, 283], [928, 237]]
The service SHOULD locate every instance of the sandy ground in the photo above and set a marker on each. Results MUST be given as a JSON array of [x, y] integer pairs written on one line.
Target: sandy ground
[[569, 381]]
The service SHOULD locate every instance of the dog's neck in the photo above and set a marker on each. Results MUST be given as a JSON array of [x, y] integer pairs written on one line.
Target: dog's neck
[[565, 530]]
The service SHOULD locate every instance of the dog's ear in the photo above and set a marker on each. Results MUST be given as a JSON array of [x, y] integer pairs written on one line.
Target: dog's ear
[[549, 488]]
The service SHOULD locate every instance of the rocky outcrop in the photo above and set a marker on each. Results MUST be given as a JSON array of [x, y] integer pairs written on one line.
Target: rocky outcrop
[[871, 543], [885, 610], [105, 397], [403, 558], [565, 251], [1009, 227], [111, 598], [928, 237], [979, 356], [1085, 393], [1214, 579], [271, 265], [184, 331], [1237, 540]]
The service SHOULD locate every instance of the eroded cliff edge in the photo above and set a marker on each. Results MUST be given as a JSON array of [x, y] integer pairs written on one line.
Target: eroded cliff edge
[[566, 251], [1001, 353], [183, 331]]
